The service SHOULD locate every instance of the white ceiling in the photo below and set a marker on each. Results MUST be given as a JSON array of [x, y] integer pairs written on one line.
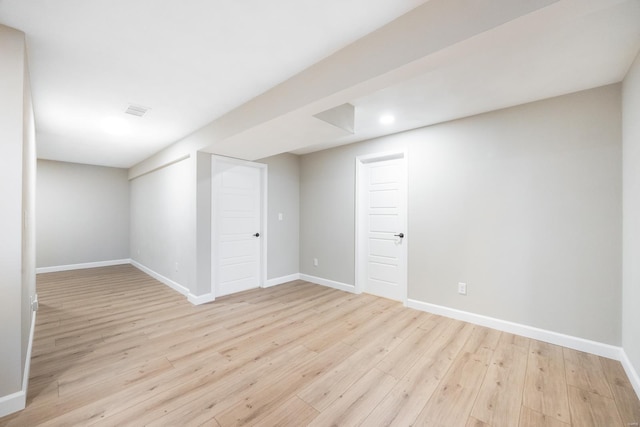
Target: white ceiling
[[529, 59], [190, 61], [193, 61]]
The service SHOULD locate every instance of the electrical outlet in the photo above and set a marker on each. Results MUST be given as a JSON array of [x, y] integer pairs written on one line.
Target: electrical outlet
[[315, 262], [280, 216], [462, 288], [176, 266]]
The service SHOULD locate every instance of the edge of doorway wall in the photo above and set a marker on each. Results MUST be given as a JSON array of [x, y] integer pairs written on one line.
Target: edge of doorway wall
[[576, 343]]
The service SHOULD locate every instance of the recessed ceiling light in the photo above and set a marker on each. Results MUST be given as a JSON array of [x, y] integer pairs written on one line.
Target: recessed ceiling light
[[115, 126], [387, 119]]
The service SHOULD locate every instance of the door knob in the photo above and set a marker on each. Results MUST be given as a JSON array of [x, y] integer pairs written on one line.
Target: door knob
[[256, 235], [400, 235]]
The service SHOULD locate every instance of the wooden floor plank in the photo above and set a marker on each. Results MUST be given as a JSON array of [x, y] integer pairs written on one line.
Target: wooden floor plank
[[545, 389], [531, 418], [357, 402], [403, 403], [592, 409], [585, 371], [277, 388], [499, 399], [115, 347], [293, 412], [325, 389], [403, 357], [452, 401], [623, 392]]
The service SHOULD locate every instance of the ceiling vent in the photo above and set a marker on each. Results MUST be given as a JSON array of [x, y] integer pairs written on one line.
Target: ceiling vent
[[136, 110]]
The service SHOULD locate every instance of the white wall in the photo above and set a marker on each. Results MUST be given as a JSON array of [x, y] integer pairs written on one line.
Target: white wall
[[83, 214], [631, 215], [522, 204], [283, 198], [17, 251]]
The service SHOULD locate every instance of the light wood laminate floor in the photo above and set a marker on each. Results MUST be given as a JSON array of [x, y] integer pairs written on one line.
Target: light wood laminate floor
[[115, 347]]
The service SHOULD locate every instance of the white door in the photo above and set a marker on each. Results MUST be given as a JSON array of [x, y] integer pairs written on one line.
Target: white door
[[237, 226], [382, 228]]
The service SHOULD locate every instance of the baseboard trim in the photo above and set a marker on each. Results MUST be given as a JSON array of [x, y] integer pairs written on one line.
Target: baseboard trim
[[201, 299], [329, 283], [634, 378], [17, 401], [576, 343], [69, 267], [170, 283], [13, 403], [280, 280]]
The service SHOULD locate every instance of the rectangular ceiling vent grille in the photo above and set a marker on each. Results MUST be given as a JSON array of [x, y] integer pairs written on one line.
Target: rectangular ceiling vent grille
[[136, 110]]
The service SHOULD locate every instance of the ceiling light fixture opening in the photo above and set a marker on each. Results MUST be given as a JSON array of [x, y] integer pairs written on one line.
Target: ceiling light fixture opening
[[387, 119]]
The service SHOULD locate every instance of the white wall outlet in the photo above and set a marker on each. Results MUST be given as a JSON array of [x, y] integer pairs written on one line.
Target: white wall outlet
[[315, 262], [462, 288], [34, 302], [280, 216], [176, 266]]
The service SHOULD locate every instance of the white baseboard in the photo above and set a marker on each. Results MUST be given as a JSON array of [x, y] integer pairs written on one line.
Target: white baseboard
[[170, 283], [17, 401], [200, 299], [68, 267], [13, 403], [280, 280], [329, 283], [581, 344], [631, 372]]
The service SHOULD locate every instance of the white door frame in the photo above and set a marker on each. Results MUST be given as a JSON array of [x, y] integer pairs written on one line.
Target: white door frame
[[262, 279], [361, 250]]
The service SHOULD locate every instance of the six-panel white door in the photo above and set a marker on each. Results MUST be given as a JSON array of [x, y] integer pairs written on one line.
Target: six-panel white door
[[236, 209], [384, 221]]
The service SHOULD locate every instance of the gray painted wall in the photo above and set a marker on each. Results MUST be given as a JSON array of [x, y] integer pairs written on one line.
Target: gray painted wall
[[29, 220], [162, 221], [283, 198], [83, 213], [522, 204], [17, 188], [631, 215]]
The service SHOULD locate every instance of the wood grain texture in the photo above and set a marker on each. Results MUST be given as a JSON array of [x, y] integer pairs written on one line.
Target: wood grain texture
[[585, 371], [592, 409], [115, 347], [499, 400], [545, 389], [531, 418], [623, 393]]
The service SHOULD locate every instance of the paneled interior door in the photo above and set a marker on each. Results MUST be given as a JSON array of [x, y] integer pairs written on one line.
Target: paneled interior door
[[237, 222], [382, 219]]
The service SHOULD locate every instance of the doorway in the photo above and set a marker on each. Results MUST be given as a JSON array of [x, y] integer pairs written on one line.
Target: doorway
[[381, 225], [238, 211]]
